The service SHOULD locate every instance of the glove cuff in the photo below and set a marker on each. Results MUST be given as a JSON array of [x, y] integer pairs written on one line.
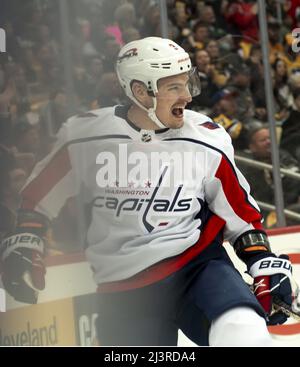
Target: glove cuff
[[32, 222], [252, 244]]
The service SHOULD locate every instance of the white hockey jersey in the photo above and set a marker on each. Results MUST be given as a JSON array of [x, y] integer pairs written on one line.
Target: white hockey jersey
[[157, 198]]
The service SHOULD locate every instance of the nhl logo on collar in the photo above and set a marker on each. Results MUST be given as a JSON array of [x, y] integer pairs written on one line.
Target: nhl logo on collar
[[146, 137]]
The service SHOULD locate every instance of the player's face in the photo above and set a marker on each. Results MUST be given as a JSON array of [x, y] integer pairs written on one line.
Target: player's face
[[172, 97]]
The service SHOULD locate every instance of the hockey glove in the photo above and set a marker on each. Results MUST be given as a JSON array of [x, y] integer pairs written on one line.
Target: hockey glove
[[23, 270], [273, 281], [272, 284], [22, 254]]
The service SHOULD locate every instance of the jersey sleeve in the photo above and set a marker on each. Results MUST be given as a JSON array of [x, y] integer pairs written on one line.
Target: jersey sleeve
[[52, 181], [228, 193]]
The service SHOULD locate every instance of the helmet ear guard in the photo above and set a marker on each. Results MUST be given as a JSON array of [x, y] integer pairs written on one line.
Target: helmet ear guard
[[149, 89]]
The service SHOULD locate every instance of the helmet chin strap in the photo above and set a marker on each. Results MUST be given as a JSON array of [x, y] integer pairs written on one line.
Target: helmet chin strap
[[151, 112]]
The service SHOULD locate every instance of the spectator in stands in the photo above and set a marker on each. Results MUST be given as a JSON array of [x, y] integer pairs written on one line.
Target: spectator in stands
[[242, 20], [224, 113], [197, 39], [276, 47], [47, 62], [207, 16], [182, 24], [109, 90], [213, 50], [294, 80], [281, 88], [257, 86], [34, 18], [218, 61], [131, 34], [110, 52], [7, 90], [12, 179], [31, 65], [290, 136], [86, 79], [27, 137], [22, 93], [293, 10], [151, 26], [239, 83], [44, 37], [182, 15], [51, 116], [242, 17], [261, 180], [206, 73], [125, 17]]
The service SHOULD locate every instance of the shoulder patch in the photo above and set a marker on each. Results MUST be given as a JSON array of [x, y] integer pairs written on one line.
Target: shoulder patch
[[210, 125]]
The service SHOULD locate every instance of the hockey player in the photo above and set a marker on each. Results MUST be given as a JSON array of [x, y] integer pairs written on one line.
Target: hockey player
[[163, 192]]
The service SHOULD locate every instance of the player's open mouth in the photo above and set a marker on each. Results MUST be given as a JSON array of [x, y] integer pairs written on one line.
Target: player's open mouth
[[177, 112]]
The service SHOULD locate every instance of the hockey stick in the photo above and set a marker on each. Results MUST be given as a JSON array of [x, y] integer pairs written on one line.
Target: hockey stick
[[290, 310]]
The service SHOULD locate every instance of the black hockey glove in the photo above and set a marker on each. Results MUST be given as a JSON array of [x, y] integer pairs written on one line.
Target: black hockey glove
[[22, 254]]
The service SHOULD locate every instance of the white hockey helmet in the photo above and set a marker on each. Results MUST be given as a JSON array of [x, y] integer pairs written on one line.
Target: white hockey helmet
[[148, 60]]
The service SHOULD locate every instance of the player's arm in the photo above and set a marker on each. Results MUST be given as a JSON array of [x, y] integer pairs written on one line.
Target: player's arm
[[228, 194], [22, 252]]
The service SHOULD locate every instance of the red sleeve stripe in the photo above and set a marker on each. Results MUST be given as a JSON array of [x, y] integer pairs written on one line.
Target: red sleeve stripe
[[167, 267], [236, 195], [39, 187]]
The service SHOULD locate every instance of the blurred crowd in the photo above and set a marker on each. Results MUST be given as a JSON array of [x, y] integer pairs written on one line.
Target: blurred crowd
[[223, 40]]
